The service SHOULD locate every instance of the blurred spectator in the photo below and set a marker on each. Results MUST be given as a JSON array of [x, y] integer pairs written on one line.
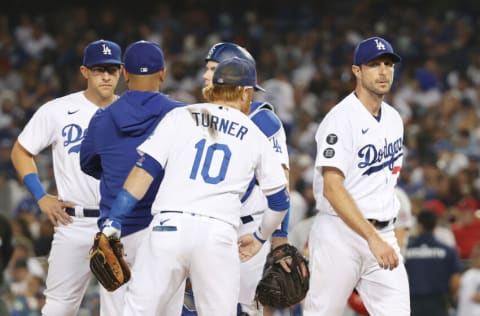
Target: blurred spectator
[[23, 254], [31, 302], [280, 93], [10, 192], [42, 244], [6, 251], [442, 230], [469, 292], [447, 158], [299, 169], [20, 276], [404, 221], [467, 226], [433, 269]]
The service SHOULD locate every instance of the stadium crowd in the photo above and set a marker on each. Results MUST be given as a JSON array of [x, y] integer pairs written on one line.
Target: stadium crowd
[[304, 57]]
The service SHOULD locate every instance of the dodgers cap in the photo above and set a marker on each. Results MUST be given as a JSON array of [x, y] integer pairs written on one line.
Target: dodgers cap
[[372, 48], [144, 58], [236, 72], [102, 52]]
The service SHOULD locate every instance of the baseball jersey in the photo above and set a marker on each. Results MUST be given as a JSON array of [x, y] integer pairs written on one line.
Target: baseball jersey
[[367, 151], [62, 123], [267, 121], [209, 161], [469, 286], [109, 149]]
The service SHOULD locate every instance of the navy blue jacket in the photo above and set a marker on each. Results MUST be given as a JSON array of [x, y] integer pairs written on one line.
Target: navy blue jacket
[[109, 150], [430, 264]]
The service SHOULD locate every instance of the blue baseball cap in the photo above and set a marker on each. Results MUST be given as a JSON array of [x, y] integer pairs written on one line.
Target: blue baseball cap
[[236, 72], [372, 48], [221, 51], [144, 58], [102, 52]]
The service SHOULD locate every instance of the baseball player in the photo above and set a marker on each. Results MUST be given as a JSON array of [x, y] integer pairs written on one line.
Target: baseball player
[[359, 156], [208, 166], [109, 149], [62, 124], [254, 201]]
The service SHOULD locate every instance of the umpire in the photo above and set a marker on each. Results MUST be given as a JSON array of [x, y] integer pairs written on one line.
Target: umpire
[[6, 250], [433, 268]]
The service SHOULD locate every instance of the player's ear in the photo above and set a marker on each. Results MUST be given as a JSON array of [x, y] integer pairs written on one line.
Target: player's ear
[[126, 75], [84, 71], [163, 74], [356, 70]]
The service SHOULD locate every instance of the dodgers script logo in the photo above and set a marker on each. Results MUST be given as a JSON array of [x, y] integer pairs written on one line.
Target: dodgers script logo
[[73, 134], [375, 159]]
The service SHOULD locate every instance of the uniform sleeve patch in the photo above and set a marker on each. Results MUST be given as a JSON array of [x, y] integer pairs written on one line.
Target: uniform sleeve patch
[[332, 139], [329, 152]]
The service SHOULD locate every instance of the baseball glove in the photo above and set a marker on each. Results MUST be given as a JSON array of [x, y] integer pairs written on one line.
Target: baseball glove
[[279, 288], [107, 262]]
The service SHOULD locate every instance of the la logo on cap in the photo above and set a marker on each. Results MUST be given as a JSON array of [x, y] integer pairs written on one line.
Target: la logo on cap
[[380, 45], [106, 50]]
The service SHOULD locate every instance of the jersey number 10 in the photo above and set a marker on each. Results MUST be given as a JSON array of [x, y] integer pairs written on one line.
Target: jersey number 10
[[200, 146]]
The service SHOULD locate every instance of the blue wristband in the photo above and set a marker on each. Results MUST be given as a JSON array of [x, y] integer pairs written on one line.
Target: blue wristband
[[32, 182], [122, 206], [258, 238]]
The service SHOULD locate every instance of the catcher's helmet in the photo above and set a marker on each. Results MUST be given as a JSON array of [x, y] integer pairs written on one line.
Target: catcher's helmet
[[221, 51]]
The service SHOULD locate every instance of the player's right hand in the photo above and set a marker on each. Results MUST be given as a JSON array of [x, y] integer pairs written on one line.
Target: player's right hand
[[386, 256], [51, 206], [248, 246]]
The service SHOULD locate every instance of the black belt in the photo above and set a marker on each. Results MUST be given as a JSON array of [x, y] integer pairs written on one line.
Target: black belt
[[381, 224], [246, 219], [86, 212]]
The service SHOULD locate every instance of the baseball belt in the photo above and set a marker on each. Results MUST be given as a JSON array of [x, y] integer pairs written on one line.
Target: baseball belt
[[381, 224], [82, 212]]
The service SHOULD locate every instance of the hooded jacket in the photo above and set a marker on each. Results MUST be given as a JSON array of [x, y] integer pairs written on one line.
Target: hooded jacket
[[109, 149]]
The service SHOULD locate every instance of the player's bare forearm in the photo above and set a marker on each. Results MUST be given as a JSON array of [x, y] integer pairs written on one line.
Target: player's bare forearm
[[22, 161], [24, 164], [138, 182], [343, 203]]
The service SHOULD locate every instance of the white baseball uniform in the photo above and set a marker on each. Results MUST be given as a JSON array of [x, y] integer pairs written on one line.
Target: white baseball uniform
[[469, 287], [253, 207], [368, 151], [209, 163], [62, 124]]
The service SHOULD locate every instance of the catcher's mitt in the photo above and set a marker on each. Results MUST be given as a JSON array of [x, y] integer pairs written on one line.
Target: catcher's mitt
[[107, 262], [279, 288]]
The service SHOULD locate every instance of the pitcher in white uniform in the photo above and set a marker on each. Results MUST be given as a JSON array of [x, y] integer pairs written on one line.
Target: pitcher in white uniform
[[62, 124], [359, 157]]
